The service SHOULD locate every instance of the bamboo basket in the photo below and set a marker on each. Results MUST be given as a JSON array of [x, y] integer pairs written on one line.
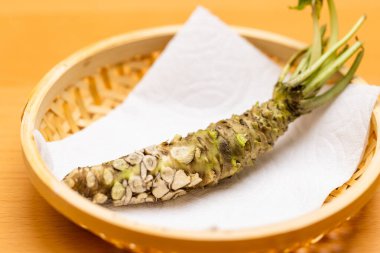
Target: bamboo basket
[[93, 81]]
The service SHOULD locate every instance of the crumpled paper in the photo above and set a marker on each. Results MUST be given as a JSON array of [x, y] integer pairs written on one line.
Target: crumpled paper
[[207, 73]]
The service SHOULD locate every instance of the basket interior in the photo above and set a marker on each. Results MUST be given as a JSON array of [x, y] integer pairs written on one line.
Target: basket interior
[[85, 100], [89, 99]]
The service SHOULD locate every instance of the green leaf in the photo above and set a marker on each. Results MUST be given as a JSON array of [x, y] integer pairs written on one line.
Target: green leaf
[[315, 4], [302, 4]]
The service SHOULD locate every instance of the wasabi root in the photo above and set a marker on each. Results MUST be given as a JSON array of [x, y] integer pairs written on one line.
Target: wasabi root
[[203, 158]]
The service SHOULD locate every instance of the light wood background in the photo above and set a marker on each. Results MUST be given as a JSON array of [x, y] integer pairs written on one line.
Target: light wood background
[[35, 35]]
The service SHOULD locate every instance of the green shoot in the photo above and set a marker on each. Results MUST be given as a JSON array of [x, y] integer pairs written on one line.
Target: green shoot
[[314, 67], [310, 104]]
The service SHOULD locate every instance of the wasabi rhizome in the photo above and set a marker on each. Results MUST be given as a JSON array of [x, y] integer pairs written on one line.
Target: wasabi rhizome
[[203, 158]]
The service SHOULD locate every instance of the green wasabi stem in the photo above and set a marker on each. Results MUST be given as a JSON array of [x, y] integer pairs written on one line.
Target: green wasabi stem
[[291, 62], [331, 69], [203, 158], [309, 77], [314, 67], [322, 34], [317, 41], [334, 26], [334, 30], [305, 61], [302, 65], [310, 104], [316, 5]]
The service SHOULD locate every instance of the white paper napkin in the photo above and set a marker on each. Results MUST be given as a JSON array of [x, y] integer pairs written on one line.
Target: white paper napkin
[[207, 73]]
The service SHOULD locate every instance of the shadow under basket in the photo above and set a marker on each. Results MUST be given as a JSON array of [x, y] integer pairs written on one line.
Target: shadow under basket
[[86, 86]]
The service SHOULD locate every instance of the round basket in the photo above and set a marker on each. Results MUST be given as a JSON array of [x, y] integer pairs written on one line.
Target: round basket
[[93, 81]]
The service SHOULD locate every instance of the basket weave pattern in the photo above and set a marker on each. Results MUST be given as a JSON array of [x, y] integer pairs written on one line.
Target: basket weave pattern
[[94, 96]]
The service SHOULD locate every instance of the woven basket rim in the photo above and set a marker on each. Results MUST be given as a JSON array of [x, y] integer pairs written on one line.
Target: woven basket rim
[[42, 177]]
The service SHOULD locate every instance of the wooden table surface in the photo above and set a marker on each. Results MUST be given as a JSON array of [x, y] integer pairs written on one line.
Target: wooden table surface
[[37, 34]]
